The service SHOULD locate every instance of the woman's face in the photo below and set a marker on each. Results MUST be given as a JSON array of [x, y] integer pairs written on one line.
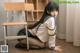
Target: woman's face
[[54, 13]]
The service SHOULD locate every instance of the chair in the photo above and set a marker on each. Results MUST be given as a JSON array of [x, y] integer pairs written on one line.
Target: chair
[[15, 7]]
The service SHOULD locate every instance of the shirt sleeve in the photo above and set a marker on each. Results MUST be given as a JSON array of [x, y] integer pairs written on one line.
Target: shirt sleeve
[[50, 23]]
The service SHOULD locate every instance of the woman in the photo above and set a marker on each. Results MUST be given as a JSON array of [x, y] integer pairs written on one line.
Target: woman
[[42, 34]]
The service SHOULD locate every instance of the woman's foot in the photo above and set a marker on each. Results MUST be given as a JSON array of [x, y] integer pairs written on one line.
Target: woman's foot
[[58, 49]]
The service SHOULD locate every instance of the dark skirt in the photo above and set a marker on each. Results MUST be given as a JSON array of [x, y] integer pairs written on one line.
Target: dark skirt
[[23, 32]]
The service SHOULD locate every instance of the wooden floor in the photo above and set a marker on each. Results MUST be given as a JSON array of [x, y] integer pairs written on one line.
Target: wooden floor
[[65, 47]]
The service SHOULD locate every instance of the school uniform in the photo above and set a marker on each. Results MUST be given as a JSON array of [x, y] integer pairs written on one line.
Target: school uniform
[[41, 34]]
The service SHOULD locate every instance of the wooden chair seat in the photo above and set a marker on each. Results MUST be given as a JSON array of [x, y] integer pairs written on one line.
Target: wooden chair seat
[[14, 23]]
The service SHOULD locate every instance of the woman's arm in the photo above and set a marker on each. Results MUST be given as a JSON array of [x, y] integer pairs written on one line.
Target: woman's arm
[[50, 24], [51, 32]]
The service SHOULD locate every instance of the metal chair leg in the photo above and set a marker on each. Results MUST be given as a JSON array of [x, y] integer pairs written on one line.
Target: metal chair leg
[[5, 41], [27, 39]]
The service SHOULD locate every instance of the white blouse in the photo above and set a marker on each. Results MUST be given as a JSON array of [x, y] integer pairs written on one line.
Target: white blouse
[[42, 32]]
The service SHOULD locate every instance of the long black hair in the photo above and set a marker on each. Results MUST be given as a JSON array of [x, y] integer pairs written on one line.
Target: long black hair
[[51, 6]]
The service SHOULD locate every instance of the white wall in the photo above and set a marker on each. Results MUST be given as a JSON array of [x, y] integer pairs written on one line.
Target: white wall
[[69, 23], [62, 21]]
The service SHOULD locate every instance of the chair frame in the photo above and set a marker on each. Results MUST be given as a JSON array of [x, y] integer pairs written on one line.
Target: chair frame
[[16, 7]]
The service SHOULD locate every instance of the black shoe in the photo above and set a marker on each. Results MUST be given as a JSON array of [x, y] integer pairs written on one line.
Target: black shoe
[[37, 48], [22, 46], [19, 45]]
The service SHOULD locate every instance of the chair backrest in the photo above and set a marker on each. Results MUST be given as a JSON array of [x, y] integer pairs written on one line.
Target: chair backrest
[[18, 6], [8, 6]]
